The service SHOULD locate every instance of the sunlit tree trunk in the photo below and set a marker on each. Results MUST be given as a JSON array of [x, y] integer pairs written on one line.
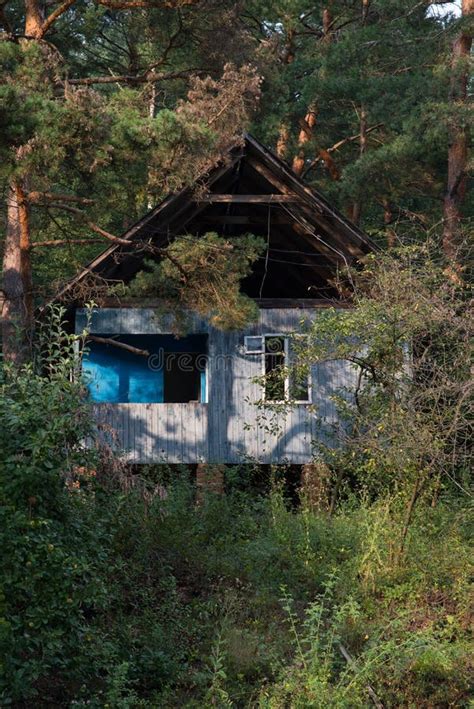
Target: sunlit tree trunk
[[34, 19], [287, 57], [305, 135], [17, 314], [309, 123], [458, 147]]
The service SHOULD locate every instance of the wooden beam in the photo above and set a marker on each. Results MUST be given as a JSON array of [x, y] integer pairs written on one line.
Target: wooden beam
[[250, 198], [252, 219], [303, 303], [264, 303]]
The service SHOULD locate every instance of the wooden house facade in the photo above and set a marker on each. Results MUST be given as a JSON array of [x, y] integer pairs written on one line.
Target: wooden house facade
[[200, 398]]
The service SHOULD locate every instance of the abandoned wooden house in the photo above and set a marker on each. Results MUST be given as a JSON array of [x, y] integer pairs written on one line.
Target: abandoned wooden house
[[206, 411]]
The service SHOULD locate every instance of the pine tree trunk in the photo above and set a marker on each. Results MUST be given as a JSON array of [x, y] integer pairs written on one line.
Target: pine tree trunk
[[17, 314], [307, 128], [387, 219], [356, 210], [34, 19], [458, 147], [282, 142], [305, 135], [327, 22]]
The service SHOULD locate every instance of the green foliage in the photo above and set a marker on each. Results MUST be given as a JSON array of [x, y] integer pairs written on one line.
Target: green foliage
[[407, 339], [388, 62], [202, 275], [48, 526]]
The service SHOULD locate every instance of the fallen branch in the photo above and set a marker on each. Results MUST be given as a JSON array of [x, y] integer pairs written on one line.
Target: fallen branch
[[117, 343], [122, 242]]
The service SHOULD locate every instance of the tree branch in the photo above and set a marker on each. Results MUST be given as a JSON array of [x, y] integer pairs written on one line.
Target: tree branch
[[335, 147], [94, 227], [161, 4], [64, 242], [118, 240], [352, 138], [148, 76], [120, 345], [51, 19], [35, 197]]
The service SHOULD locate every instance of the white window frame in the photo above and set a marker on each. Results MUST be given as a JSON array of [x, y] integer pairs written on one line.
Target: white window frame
[[286, 349], [251, 351]]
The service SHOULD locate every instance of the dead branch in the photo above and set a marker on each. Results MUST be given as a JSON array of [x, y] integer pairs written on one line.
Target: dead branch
[[120, 345], [120, 241], [94, 227], [350, 661], [147, 76]]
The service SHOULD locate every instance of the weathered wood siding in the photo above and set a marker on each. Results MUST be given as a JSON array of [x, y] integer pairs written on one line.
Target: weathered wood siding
[[230, 428]]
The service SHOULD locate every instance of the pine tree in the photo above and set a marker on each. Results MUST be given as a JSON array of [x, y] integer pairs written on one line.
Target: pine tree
[[103, 109], [357, 99]]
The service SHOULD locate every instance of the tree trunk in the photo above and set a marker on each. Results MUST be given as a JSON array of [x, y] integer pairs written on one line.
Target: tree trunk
[[387, 219], [17, 314], [417, 489], [282, 142], [34, 19], [305, 135], [458, 147], [356, 210], [209, 480], [327, 23], [365, 11]]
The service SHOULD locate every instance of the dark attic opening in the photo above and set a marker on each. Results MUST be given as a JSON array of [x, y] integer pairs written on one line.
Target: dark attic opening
[[307, 242]]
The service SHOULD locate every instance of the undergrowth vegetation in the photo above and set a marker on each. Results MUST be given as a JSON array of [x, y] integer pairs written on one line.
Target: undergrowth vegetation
[[132, 600]]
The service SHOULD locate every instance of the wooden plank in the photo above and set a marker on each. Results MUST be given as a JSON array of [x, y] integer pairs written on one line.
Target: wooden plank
[[304, 303], [249, 198], [248, 219], [150, 303]]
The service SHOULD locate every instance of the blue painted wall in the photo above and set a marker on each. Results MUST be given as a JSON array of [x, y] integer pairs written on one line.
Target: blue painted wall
[[115, 376]]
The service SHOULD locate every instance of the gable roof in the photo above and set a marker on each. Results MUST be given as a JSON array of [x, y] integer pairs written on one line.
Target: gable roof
[[251, 179]]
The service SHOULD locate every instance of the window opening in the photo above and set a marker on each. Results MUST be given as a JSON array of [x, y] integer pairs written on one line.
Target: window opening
[[174, 372], [285, 378]]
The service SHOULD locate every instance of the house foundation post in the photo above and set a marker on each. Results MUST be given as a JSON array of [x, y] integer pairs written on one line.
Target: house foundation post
[[209, 479], [315, 490]]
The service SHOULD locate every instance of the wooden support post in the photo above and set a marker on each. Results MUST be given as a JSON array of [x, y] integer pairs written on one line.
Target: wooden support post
[[315, 486], [209, 479]]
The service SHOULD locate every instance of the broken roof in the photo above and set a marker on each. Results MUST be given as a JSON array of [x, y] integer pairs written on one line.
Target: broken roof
[[253, 191]]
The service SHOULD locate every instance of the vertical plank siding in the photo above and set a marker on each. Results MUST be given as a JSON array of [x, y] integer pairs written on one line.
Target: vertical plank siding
[[230, 428]]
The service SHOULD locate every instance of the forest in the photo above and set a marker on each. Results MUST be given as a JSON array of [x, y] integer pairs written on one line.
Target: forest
[[341, 584]]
